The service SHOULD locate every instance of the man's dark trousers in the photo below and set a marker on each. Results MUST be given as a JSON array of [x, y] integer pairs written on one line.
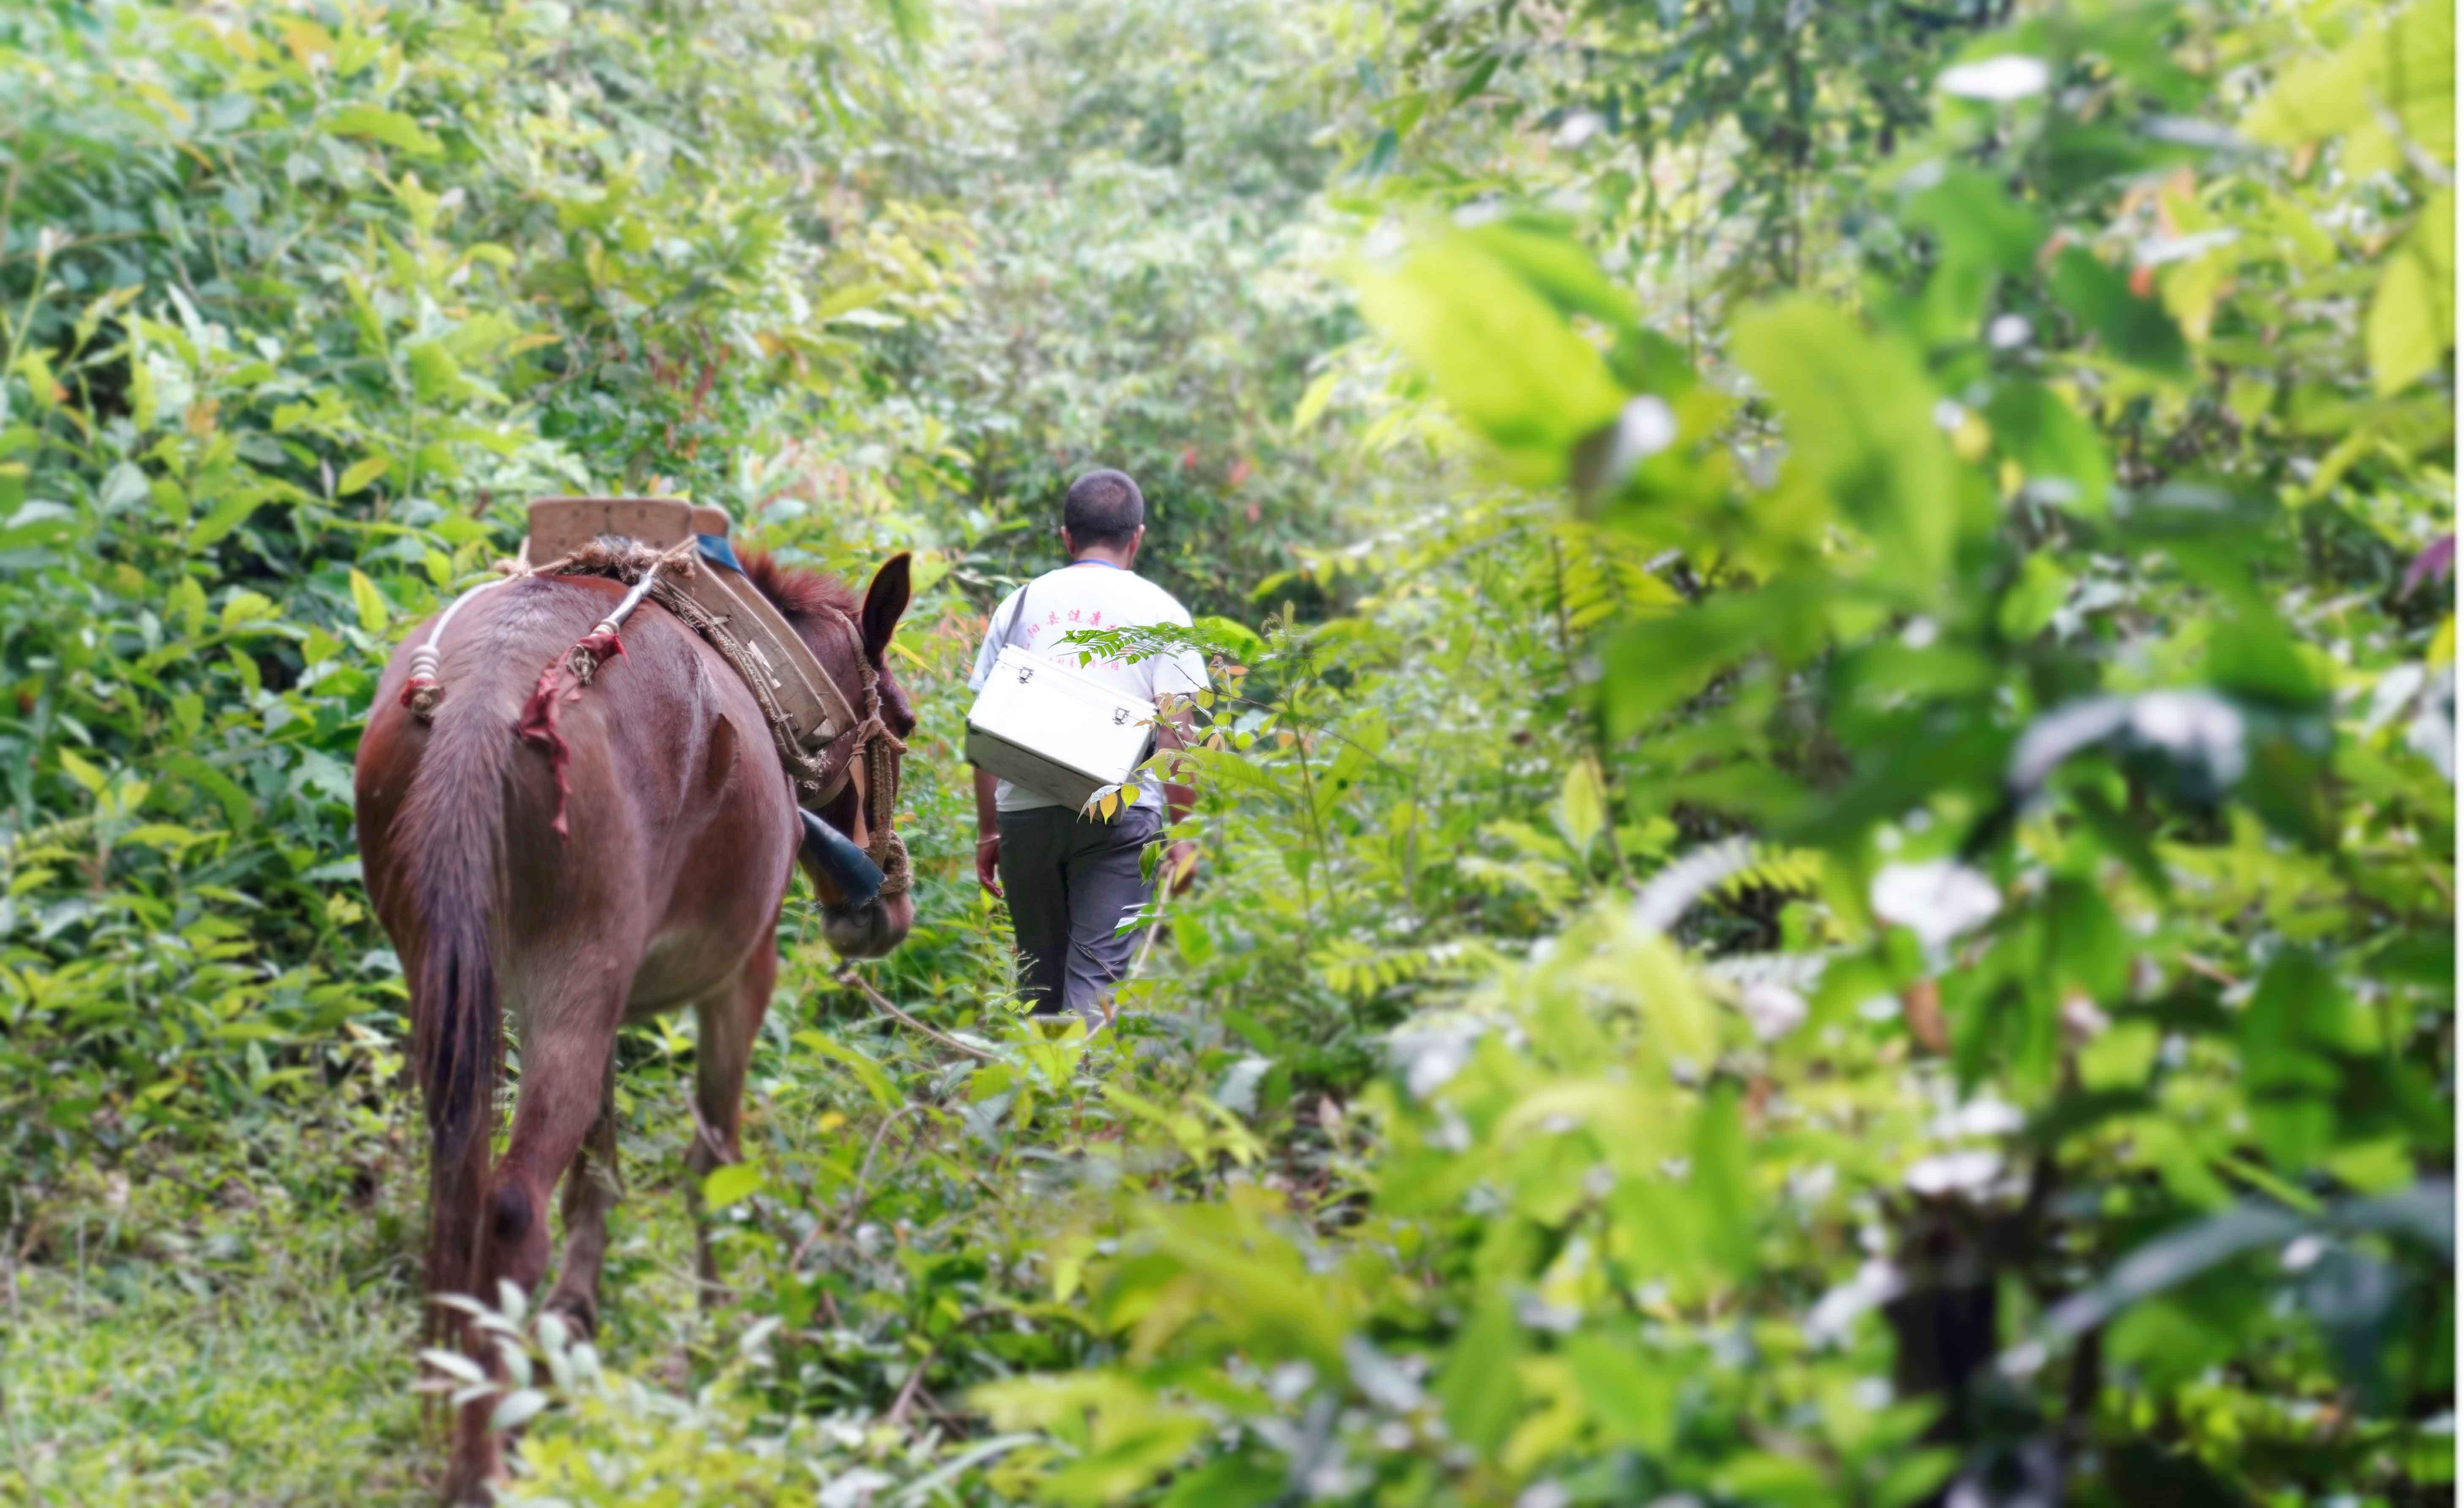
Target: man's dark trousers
[[1070, 881]]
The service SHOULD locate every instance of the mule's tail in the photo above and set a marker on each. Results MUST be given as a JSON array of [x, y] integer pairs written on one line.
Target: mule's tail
[[450, 835]]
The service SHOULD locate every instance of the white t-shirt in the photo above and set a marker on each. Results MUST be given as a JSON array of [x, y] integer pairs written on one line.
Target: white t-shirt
[[1090, 594]]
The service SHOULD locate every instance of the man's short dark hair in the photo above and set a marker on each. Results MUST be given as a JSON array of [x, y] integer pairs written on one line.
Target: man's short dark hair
[[1103, 507]]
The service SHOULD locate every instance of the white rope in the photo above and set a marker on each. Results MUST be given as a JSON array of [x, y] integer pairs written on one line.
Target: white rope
[[419, 692], [623, 609]]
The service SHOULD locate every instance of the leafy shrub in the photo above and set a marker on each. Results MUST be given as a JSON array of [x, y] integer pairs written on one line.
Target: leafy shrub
[[2109, 1059], [1828, 871]]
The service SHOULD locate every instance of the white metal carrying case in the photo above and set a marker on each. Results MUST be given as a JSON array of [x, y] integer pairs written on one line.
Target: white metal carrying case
[[1056, 732]]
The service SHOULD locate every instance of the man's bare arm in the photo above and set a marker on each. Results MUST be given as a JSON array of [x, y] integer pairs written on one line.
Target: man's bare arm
[[987, 831], [1175, 731]]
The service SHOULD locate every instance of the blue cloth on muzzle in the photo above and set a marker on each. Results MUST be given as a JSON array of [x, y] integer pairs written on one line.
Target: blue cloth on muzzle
[[716, 549], [834, 854]]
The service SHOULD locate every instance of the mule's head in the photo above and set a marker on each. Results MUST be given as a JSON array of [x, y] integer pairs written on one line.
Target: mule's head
[[818, 608]]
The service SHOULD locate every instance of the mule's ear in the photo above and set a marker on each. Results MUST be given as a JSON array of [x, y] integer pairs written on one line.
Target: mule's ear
[[885, 603]]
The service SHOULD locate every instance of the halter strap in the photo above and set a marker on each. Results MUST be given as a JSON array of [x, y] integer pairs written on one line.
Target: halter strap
[[880, 748]]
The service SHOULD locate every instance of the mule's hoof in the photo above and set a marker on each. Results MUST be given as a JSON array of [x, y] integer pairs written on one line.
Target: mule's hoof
[[578, 1310]]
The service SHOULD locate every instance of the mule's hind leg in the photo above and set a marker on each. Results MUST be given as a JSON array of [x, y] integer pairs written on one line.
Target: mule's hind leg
[[565, 1082], [566, 1046], [728, 1019], [592, 1188]]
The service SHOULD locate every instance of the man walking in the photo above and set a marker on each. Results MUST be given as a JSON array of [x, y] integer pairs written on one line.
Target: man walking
[[1071, 877]]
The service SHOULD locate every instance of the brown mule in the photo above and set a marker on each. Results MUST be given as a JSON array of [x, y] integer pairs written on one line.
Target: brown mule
[[665, 892]]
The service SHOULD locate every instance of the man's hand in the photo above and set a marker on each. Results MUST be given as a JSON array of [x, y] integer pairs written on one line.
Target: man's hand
[[1180, 863], [988, 865]]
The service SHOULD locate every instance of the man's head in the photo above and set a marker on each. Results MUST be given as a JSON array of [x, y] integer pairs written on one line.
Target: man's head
[[1103, 516]]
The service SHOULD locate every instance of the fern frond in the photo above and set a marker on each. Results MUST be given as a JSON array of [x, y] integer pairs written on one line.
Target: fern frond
[[1360, 971], [1789, 872]]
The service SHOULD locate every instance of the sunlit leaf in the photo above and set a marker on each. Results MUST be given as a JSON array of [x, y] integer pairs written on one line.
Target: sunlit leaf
[[361, 472], [2412, 313], [730, 1184], [389, 126], [1859, 413], [1504, 358]]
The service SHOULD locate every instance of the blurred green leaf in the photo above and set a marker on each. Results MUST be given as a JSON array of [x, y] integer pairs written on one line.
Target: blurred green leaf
[[1504, 358], [389, 126], [2132, 326], [1861, 422], [731, 1184]]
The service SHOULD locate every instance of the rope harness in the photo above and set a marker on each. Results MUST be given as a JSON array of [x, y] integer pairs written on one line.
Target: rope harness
[[812, 778]]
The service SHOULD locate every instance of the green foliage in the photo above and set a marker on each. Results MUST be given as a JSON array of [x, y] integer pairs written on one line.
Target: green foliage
[[2014, 643], [1827, 791], [1132, 188], [273, 287]]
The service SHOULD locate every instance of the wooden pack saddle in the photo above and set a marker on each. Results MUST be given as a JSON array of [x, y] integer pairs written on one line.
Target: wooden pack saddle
[[799, 694]]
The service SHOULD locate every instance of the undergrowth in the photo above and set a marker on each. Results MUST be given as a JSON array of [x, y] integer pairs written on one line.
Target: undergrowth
[[1828, 797]]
